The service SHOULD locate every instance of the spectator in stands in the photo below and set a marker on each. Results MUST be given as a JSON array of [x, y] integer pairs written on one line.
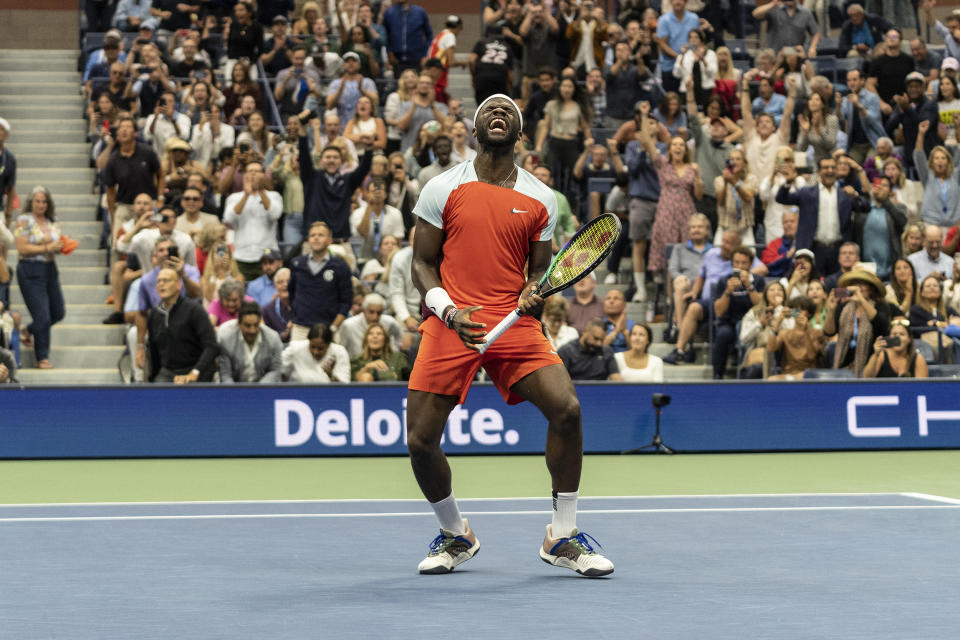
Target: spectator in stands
[[874, 164], [889, 69], [443, 48], [226, 306], [540, 32], [328, 191], [131, 14], [132, 168], [8, 175], [240, 85], [950, 33], [926, 61], [857, 315], [408, 35], [819, 128], [768, 101], [742, 291], [565, 118], [623, 83], [192, 220], [761, 135], [636, 364], [897, 357], [165, 123], [848, 257], [939, 175], [375, 219], [909, 192], [8, 367], [589, 358], [198, 98], [39, 239], [491, 66], [116, 91], [586, 35], [878, 230], [779, 253], [860, 32], [392, 112], [375, 273], [177, 166], [295, 83], [555, 326], [404, 297], [183, 345], [680, 183], [253, 213], [902, 289], [244, 38], [365, 129], [644, 191], [320, 284], [210, 136], [698, 64], [148, 295], [250, 351], [616, 323], [378, 360], [684, 266], [931, 261], [255, 132], [911, 109], [354, 329], [262, 290], [149, 227], [804, 274], [543, 92], [330, 136], [459, 136], [912, 238], [799, 346], [824, 233], [278, 314], [310, 13], [173, 15], [736, 187], [316, 358], [278, 48], [585, 305], [442, 148], [421, 108], [948, 108], [673, 30], [670, 113], [100, 61], [402, 191], [788, 25], [595, 94]]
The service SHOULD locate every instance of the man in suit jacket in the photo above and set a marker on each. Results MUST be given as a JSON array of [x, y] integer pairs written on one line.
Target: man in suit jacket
[[825, 212], [249, 350], [862, 117]]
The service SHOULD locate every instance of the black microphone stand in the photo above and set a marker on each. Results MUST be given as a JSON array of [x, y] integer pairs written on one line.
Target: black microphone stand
[[656, 445]]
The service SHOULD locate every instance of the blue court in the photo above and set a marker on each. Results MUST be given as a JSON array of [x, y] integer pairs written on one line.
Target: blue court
[[748, 566]]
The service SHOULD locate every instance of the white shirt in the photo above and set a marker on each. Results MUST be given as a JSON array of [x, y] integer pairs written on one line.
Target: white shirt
[[565, 335], [585, 51], [256, 227], [773, 216], [924, 266], [206, 147], [249, 373], [762, 154], [165, 130], [145, 241], [404, 297], [652, 373], [300, 366], [350, 335], [828, 217], [390, 222]]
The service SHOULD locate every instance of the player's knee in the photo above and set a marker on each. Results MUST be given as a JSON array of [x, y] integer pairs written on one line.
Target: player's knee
[[566, 414], [418, 444]]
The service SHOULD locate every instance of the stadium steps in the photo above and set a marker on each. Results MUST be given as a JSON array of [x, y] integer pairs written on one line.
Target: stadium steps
[[39, 96]]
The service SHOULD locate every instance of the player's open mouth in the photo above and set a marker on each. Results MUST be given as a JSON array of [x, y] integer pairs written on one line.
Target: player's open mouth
[[498, 124]]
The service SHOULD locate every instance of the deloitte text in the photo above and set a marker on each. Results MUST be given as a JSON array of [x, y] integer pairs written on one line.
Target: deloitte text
[[295, 423]]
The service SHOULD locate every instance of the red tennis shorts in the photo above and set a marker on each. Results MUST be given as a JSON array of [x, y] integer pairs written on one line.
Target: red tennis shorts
[[445, 366]]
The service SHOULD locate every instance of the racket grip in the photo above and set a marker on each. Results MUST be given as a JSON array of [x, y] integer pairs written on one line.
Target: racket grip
[[499, 330]]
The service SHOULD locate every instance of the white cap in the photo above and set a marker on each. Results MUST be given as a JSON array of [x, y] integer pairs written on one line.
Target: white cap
[[5, 124], [505, 97]]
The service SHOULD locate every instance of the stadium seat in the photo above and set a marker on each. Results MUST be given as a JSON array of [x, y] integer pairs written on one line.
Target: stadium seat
[[944, 370], [828, 374], [599, 185], [738, 49], [829, 47]]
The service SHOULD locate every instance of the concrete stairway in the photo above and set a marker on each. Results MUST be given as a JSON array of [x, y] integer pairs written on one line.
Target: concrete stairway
[[39, 96]]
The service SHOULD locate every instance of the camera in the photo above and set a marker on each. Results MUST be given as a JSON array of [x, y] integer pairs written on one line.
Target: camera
[[200, 75], [174, 251], [157, 217], [244, 147], [660, 400], [842, 293], [892, 341], [221, 252]]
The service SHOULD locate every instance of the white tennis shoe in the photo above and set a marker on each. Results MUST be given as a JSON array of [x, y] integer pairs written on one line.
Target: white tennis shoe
[[575, 553], [449, 550]]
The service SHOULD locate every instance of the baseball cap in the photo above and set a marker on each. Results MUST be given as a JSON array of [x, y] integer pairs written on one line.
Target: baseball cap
[[5, 124], [453, 21], [950, 63], [149, 23], [804, 253], [271, 254], [280, 18], [915, 76], [177, 144], [351, 55]]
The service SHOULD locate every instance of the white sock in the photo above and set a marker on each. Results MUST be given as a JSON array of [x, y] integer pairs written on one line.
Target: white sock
[[448, 513], [564, 514], [640, 279]]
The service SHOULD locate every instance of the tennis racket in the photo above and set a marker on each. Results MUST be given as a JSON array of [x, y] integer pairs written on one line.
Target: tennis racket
[[581, 255]]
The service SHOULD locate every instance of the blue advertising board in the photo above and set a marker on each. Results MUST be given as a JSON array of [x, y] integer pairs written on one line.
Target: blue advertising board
[[292, 420]]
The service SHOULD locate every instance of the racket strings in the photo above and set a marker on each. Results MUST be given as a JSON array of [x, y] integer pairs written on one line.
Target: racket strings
[[584, 250]]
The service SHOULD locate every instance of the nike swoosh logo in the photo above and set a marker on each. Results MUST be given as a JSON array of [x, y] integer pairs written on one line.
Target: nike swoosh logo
[[515, 210], [553, 352]]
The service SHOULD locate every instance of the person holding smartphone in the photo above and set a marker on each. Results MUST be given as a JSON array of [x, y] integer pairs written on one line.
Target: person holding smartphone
[[856, 314], [895, 356], [799, 346]]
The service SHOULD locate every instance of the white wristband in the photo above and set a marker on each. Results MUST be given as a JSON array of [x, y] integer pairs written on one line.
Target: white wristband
[[437, 300]]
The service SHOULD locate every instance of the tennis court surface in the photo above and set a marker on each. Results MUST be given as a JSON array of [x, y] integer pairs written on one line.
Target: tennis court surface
[[856, 565]]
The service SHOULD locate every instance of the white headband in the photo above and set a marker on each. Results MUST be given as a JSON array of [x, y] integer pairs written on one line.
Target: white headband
[[505, 97]]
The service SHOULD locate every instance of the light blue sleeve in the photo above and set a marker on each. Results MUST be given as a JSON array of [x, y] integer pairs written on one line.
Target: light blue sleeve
[[433, 200]]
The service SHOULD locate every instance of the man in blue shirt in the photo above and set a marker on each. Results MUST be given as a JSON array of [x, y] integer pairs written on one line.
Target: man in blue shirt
[[408, 35], [741, 292], [672, 31], [262, 289], [769, 101]]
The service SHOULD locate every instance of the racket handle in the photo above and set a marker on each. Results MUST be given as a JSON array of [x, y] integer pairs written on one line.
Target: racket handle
[[499, 330]]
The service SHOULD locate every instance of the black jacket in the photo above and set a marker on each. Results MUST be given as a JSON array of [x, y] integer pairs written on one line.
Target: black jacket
[[328, 202], [182, 340]]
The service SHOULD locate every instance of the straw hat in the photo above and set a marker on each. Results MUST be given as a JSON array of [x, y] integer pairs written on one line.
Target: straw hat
[[862, 275]]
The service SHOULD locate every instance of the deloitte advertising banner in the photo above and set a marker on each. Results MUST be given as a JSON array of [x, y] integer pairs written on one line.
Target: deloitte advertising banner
[[242, 420]]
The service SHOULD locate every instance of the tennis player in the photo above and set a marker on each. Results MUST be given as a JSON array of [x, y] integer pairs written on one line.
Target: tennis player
[[492, 224]]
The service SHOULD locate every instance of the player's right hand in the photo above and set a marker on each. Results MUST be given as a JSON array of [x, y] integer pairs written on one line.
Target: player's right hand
[[470, 333]]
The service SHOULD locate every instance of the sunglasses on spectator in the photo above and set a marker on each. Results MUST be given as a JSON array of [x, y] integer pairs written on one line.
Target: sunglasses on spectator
[[903, 322], [191, 198], [399, 166]]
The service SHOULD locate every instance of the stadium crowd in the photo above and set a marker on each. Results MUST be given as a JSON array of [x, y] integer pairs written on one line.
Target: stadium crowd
[[259, 169]]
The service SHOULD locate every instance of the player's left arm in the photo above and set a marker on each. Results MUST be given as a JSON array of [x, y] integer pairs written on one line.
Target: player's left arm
[[541, 252]]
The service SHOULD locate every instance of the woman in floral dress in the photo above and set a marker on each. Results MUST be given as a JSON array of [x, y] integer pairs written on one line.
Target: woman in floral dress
[[680, 184]]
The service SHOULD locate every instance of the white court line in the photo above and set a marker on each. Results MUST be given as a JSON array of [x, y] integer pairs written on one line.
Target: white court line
[[420, 500], [931, 497], [275, 516]]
